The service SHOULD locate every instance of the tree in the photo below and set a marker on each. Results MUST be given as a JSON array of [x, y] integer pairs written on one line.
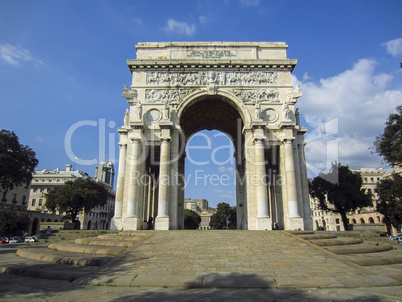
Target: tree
[[389, 144], [17, 162], [340, 191], [191, 220], [75, 196], [390, 201], [225, 217], [12, 223]]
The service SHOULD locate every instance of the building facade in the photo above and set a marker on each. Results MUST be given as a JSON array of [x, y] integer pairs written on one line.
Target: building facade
[[244, 90], [43, 181], [330, 221]]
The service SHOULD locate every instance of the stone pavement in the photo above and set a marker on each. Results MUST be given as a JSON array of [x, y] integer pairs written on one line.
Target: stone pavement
[[214, 265]]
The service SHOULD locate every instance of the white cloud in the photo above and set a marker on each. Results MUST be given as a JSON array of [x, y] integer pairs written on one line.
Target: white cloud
[[14, 55], [203, 20], [394, 47], [360, 101], [250, 2], [174, 26]]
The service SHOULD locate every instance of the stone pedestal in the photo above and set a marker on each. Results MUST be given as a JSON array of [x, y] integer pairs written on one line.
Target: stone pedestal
[[263, 223], [116, 224], [162, 223], [130, 223], [295, 223]]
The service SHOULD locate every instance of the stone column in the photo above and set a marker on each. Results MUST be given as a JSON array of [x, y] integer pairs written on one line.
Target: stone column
[[120, 181], [162, 220], [263, 221], [261, 188], [132, 201], [293, 210], [308, 222]]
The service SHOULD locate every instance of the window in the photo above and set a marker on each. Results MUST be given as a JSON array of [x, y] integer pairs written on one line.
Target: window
[[337, 220], [14, 198], [33, 202], [372, 179], [43, 190], [40, 201], [23, 199], [35, 190], [365, 179]]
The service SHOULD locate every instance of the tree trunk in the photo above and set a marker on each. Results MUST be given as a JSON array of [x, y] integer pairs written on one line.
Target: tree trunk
[[344, 220]]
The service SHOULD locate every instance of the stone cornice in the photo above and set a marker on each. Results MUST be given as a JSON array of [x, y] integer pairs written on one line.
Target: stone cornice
[[183, 65]]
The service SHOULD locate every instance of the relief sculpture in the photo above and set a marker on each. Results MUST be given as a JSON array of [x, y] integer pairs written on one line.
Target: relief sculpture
[[252, 95], [221, 78], [166, 95]]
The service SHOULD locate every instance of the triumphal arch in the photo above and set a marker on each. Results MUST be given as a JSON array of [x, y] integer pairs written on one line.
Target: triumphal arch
[[243, 89]]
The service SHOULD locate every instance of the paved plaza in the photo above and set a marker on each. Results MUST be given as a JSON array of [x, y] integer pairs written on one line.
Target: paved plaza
[[211, 266]]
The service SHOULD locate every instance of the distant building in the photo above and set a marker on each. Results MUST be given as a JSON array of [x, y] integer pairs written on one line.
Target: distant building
[[16, 198], [105, 172], [200, 206], [43, 181], [99, 217]]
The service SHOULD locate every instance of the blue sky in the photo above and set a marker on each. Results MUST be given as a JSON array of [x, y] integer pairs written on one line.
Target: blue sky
[[63, 64]]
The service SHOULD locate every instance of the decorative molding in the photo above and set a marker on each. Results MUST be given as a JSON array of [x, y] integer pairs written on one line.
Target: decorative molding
[[166, 95], [260, 95], [201, 78]]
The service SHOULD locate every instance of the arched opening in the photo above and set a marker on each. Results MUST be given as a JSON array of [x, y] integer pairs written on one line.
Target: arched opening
[[371, 220], [96, 225], [35, 227], [49, 220], [214, 159], [89, 225], [317, 225], [362, 220], [353, 220]]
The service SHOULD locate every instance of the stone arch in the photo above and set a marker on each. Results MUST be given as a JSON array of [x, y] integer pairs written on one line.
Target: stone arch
[[362, 220], [224, 95], [371, 220], [353, 220]]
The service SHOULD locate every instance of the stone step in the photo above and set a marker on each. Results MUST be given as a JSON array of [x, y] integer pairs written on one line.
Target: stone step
[[121, 237], [86, 249], [338, 241], [301, 232], [370, 261], [319, 236], [47, 255], [103, 242], [360, 249]]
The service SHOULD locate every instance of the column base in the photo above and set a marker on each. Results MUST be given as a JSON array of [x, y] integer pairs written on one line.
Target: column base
[[116, 223], [263, 223], [130, 223], [162, 223], [308, 224], [295, 223]]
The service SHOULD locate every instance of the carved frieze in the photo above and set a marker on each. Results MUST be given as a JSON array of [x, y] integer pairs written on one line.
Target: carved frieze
[[166, 95], [255, 78], [260, 95]]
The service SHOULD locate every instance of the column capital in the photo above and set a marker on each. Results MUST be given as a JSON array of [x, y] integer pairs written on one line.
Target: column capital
[[257, 140], [122, 145], [288, 140], [135, 139], [165, 139]]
